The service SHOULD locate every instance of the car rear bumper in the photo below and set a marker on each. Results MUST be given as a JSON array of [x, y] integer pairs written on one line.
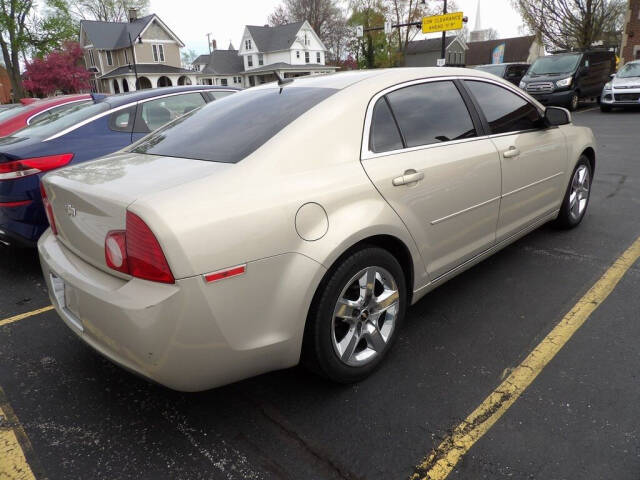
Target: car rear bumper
[[191, 335], [561, 98]]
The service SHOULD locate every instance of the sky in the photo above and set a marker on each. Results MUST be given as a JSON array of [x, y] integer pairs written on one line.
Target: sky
[[191, 20]]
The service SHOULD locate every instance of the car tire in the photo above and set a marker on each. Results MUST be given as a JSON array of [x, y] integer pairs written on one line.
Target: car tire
[[346, 337], [576, 198], [574, 102], [605, 108]]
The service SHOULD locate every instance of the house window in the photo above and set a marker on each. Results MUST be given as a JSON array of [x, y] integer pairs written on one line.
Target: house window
[[247, 44], [306, 40], [109, 58], [92, 60], [250, 60], [317, 57], [306, 57], [260, 59], [298, 54], [158, 53], [223, 82], [126, 56]]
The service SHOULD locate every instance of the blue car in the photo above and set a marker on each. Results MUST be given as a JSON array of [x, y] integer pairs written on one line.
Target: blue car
[[82, 133]]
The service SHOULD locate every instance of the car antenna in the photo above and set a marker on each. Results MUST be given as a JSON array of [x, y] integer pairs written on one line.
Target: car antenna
[[282, 81]]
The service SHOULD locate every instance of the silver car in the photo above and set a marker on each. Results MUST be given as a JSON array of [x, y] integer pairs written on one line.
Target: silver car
[[624, 88]]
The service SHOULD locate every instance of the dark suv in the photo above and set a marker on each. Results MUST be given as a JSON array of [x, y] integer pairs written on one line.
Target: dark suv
[[512, 72], [566, 78]]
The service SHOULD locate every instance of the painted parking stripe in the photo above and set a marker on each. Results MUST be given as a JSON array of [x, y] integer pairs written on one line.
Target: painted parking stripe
[[22, 316], [441, 461], [13, 463]]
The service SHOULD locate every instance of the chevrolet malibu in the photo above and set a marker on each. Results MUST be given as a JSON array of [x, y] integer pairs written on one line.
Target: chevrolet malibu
[[298, 221]]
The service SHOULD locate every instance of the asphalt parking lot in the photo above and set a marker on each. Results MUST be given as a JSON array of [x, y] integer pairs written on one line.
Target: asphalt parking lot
[[77, 416]]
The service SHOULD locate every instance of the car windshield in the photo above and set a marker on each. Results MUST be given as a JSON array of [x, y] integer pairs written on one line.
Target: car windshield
[[10, 113], [629, 70], [495, 69], [65, 118], [233, 127], [555, 64]]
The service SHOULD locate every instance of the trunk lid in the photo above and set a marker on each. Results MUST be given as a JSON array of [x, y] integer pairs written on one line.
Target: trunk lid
[[91, 199]]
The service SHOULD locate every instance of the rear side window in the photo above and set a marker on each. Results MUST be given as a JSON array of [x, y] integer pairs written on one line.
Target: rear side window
[[505, 111], [156, 113], [233, 127], [122, 120], [430, 113], [384, 131]]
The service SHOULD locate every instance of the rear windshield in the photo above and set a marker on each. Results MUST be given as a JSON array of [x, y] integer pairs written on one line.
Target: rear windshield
[[495, 69], [555, 64], [58, 121], [233, 127], [10, 113]]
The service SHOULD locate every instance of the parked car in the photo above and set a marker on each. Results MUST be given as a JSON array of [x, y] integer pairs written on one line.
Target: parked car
[[511, 72], [567, 78], [87, 131], [300, 220], [624, 88], [33, 111]]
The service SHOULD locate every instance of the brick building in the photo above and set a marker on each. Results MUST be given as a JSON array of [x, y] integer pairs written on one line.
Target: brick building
[[631, 38]]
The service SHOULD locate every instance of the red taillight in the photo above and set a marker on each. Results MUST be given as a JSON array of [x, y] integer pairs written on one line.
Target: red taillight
[[137, 252], [33, 166], [48, 209]]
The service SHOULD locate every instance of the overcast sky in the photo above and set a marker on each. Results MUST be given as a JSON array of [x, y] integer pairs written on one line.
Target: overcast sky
[[191, 20]]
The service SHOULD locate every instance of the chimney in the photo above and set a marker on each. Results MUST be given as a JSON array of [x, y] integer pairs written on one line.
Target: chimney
[[133, 14], [214, 44]]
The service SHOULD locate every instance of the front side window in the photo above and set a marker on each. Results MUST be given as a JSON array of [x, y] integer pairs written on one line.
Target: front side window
[[109, 58], [155, 113], [212, 134], [431, 112], [504, 110]]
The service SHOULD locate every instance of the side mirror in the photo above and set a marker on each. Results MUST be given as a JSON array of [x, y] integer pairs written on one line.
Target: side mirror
[[555, 116], [613, 75]]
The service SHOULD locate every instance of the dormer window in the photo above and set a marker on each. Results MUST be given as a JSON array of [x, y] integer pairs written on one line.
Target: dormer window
[[247, 44]]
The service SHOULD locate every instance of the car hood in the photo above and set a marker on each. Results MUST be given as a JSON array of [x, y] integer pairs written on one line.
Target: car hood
[[630, 82]]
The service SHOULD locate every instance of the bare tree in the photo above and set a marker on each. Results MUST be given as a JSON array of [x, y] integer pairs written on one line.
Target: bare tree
[[326, 17], [106, 10], [569, 24]]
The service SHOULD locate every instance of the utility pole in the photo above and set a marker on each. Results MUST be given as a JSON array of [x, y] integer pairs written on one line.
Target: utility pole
[[444, 33]]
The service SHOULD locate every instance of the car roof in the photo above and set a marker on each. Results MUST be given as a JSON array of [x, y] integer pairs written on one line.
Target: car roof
[[500, 64], [129, 97]]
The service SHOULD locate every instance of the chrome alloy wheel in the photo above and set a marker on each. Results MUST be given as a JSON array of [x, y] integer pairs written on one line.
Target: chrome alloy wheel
[[365, 316], [579, 196]]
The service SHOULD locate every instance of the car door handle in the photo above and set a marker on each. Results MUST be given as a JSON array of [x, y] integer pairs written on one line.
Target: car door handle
[[410, 176], [512, 152]]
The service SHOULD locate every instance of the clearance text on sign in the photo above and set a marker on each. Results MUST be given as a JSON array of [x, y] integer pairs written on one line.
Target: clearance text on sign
[[440, 23]]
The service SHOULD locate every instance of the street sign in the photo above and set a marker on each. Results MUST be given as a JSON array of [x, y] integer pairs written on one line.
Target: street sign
[[359, 31], [387, 28], [440, 23], [441, 62]]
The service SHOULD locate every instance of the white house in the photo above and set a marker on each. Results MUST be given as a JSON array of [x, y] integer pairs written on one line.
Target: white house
[[292, 50]]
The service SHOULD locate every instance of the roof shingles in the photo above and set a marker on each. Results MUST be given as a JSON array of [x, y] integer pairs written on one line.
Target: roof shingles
[[273, 39], [113, 35]]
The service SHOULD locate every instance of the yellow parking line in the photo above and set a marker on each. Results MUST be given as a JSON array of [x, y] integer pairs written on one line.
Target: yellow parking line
[[22, 316], [13, 463], [441, 461]]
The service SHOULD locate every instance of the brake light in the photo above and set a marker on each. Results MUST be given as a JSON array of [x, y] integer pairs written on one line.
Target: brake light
[[33, 166], [136, 251], [48, 209]]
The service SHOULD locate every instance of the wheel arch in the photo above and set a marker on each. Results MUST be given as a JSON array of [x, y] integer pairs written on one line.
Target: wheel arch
[[590, 153]]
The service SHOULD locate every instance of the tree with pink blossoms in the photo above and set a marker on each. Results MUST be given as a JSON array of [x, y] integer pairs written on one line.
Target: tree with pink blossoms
[[59, 71]]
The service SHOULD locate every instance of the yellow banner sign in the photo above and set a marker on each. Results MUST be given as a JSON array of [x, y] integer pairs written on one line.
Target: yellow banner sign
[[440, 23]]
